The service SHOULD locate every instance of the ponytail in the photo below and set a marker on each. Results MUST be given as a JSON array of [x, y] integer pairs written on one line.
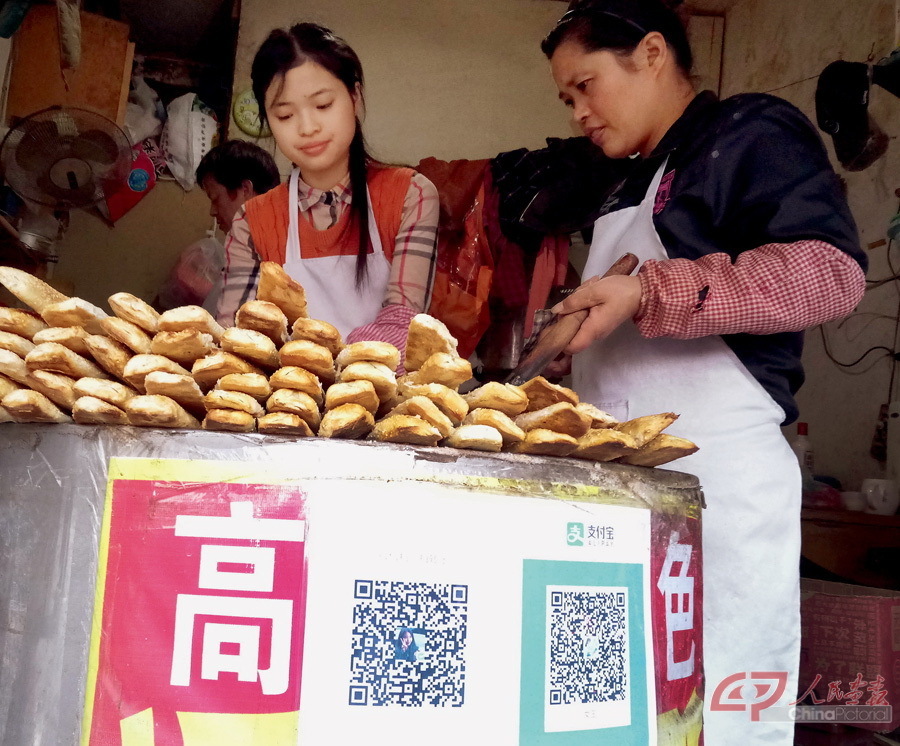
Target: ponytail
[[359, 164]]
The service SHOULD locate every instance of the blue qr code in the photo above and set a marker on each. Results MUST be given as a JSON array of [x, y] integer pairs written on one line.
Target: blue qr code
[[588, 635], [408, 644]]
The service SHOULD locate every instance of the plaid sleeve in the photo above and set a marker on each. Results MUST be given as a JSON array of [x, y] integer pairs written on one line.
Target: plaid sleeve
[[773, 288], [413, 260], [241, 273], [390, 325]]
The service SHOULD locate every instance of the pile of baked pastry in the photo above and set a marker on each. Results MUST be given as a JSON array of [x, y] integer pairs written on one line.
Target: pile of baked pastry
[[278, 371]]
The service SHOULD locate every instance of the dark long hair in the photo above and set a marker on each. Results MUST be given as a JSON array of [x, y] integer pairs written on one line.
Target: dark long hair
[[619, 25], [285, 49]]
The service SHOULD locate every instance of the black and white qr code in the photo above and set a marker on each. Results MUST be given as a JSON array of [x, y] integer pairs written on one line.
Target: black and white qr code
[[588, 645], [408, 643]]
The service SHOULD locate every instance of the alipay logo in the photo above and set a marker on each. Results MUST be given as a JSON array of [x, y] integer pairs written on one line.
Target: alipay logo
[[575, 534]]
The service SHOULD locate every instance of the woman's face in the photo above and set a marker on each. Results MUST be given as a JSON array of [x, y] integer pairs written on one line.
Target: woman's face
[[405, 639], [313, 119], [610, 97]]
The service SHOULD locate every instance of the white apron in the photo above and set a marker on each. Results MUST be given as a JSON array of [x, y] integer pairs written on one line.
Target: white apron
[[330, 281], [749, 475]]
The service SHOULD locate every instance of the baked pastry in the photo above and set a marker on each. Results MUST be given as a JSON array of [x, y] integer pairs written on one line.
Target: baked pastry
[[90, 410], [305, 354], [263, 317], [382, 378], [599, 418], [427, 336], [284, 423], [255, 384], [644, 429], [542, 442], [109, 354], [230, 420], [26, 405], [450, 402], [251, 345], [207, 370], [320, 332], [184, 347], [15, 343], [561, 418], [504, 397], [73, 337], [424, 408], [299, 379], [475, 438], [31, 290], [178, 386], [158, 411], [660, 450], [604, 444], [74, 312], [140, 366], [347, 421], [219, 399], [7, 385], [23, 323], [190, 317], [130, 335], [277, 286], [129, 307], [502, 423], [56, 387], [404, 428], [113, 392], [541, 393], [295, 402], [369, 352], [58, 359], [14, 367], [443, 367], [361, 392]]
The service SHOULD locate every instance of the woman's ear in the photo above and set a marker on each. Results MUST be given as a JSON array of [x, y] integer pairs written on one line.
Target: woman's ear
[[247, 189], [652, 52], [359, 102]]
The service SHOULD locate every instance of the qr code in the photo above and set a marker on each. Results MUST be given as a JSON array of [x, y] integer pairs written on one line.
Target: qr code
[[588, 645], [408, 643]]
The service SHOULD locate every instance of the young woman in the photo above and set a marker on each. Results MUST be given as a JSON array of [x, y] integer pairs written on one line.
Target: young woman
[[358, 235], [746, 240]]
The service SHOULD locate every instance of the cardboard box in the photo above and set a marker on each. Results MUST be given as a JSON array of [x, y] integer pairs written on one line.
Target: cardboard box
[[851, 634]]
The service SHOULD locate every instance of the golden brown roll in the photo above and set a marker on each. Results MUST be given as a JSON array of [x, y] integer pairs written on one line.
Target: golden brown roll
[[73, 337], [129, 307], [284, 423], [58, 359], [504, 397], [14, 367], [15, 343], [26, 405], [89, 410], [502, 423], [645, 429], [251, 345], [112, 356], [207, 370], [23, 323], [541, 393], [140, 366], [159, 411], [56, 387], [475, 438], [219, 399], [352, 392], [320, 332], [382, 378], [74, 312], [295, 402], [561, 418], [181, 387], [229, 420], [445, 368], [450, 402], [277, 286], [7, 385], [599, 418], [427, 336], [545, 443], [604, 444], [424, 408], [4, 415], [190, 317], [347, 421], [404, 428], [185, 347], [305, 354], [369, 352], [128, 334], [264, 317], [32, 291], [299, 379], [112, 392], [254, 384], [660, 450]]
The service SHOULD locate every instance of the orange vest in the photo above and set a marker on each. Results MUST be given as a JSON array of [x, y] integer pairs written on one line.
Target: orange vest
[[267, 216]]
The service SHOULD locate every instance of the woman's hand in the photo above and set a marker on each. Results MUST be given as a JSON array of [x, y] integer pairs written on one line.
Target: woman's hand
[[611, 300]]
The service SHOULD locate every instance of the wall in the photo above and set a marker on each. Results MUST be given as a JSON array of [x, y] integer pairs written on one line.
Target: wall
[[781, 47]]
